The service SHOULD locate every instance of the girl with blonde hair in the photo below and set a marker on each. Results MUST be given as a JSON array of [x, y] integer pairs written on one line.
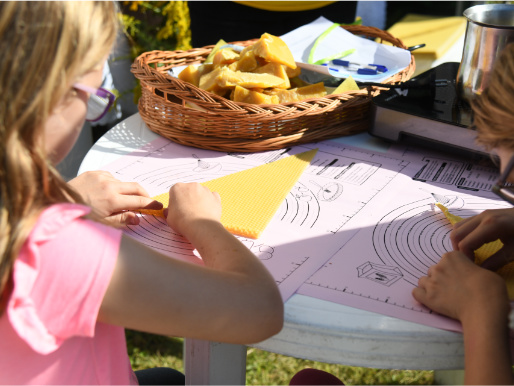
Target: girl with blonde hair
[[458, 288], [69, 282]]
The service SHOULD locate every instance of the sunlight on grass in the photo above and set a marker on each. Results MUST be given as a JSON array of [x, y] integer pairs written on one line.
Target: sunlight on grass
[[148, 350], [262, 367], [265, 368]]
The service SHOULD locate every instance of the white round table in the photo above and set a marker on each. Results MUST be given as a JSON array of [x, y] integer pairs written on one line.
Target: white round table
[[314, 329]]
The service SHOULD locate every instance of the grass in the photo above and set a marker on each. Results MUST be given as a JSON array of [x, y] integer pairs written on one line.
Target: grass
[[265, 368]]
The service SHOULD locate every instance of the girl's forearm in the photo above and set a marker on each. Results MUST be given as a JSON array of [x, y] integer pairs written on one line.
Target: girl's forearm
[[221, 250], [257, 292], [487, 349]]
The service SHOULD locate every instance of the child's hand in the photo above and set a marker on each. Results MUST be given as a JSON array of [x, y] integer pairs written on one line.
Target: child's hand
[[112, 198], [189, 203], [458, 288], [477, 297], [490, 225]]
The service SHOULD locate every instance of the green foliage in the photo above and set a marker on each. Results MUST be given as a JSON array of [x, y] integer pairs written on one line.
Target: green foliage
[[149, 350], [156, 25], [265, 368]]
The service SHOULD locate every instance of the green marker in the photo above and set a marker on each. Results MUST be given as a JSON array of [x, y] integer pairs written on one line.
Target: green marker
[[339, 55]]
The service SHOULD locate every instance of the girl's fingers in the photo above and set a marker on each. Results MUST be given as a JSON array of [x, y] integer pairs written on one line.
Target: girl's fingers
[[132, 189], [419, 293], [124, 202], [123, 218], [462, 229], [468, 239], [501, 258]]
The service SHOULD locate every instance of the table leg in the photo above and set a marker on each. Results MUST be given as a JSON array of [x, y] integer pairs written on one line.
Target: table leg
[[211, 363]]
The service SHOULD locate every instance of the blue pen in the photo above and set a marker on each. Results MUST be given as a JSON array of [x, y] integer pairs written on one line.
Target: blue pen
[[360, 71], [363, 69]]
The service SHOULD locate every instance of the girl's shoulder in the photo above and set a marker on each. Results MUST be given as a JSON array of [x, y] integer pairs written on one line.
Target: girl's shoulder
[[58, 216], [61, 275]]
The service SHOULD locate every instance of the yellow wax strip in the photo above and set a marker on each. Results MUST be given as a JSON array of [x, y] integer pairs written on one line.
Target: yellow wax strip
[[251, 197], [485, 251], [154, 212], [451, 217]]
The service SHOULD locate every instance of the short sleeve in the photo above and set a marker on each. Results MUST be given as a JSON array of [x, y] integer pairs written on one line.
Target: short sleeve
[[60, 277]]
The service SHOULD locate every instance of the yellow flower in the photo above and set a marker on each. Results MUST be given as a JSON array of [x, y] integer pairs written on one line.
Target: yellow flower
[[133, 5]]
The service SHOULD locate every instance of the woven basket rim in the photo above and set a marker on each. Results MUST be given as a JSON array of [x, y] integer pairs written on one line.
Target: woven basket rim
[[189, 115]]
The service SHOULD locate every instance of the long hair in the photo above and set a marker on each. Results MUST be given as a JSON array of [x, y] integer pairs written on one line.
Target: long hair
[[493, 111], [45, 45]]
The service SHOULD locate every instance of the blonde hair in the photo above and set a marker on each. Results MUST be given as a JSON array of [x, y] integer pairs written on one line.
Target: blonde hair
[[45, 46], [493, 111]]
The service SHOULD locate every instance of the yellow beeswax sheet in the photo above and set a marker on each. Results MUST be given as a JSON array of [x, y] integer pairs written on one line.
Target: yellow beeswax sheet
[[437, 33], [485, 251], [251, 197]]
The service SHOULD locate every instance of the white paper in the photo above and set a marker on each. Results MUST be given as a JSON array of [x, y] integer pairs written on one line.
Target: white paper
[[358, 228], [319, 215], [301, 40]]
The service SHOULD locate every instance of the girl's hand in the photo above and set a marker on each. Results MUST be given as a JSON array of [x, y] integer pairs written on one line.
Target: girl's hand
[[458, 288], [189, 203], [477, 297], [112, 198], [490, 225]]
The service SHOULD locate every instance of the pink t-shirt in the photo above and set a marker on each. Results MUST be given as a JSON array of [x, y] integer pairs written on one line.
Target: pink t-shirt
[[49, 333]]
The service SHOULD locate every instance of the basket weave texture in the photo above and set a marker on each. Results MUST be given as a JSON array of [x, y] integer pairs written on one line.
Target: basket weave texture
[[188, 115]]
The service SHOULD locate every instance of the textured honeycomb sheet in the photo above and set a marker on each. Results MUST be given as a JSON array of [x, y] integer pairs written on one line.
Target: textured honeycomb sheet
[[251, 197]]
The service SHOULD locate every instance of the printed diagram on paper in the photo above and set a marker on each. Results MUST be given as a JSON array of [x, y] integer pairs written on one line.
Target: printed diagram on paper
[[319, 215], [383, 262], [359, 228], [458, 174]]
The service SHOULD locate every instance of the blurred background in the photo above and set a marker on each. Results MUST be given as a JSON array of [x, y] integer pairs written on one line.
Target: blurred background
[[182, 25]]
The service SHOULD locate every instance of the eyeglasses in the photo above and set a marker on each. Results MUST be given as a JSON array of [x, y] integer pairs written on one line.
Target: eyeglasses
[[99, 103], [503, 188]]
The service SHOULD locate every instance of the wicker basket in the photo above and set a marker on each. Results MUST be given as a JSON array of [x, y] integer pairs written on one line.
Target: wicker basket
[[217, 123]]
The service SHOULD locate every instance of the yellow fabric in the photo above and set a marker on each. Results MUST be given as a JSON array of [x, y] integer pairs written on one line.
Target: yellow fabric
[[485, 251], [438, 33], [285, 6], [250, 198]]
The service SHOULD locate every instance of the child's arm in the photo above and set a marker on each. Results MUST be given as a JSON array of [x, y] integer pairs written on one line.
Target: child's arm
[[112, 198], [233, 298], [458, 288], [470, 234]]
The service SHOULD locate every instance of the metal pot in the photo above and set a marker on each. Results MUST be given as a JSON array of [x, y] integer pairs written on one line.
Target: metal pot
[[489, 29]]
